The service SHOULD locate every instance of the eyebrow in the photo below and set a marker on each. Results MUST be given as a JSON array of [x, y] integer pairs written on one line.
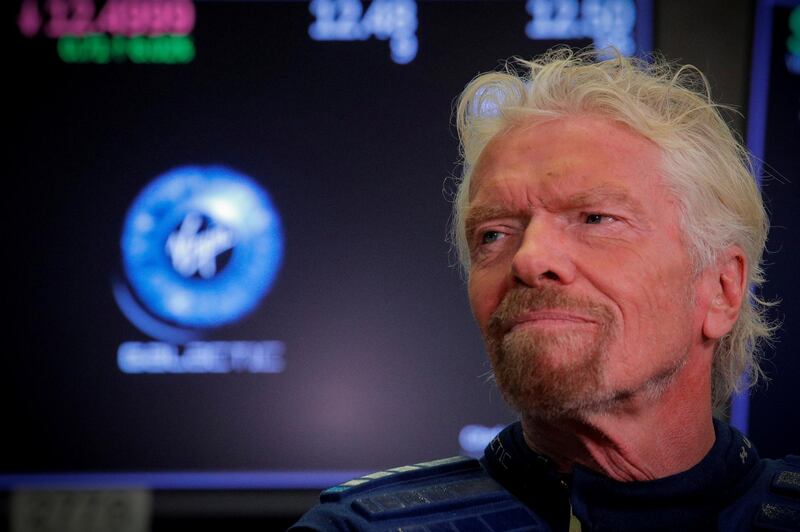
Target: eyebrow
[[601, 194], [480, 213]]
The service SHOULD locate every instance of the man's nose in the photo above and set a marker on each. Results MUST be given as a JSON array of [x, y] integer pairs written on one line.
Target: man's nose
[[543, 256]]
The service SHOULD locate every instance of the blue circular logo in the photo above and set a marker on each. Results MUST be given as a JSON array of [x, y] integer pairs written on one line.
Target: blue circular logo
[[201, 246]]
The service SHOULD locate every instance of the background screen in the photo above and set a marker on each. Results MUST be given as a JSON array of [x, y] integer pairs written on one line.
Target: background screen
[[773, 136], [229, 244]]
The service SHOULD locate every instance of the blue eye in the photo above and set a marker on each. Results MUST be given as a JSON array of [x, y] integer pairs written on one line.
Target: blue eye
[[490, 236], [594, 218]]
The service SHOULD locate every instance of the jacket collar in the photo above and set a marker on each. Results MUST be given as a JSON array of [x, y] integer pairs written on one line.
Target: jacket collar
[[689, 500]]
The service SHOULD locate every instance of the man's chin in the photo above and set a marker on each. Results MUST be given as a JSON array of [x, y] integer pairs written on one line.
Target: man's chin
[[552, 351], [549, 403], [548, 377]]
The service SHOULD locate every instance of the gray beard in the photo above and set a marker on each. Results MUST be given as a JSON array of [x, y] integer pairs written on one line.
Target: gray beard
[[556, 375], [548, 374], [531, 383]]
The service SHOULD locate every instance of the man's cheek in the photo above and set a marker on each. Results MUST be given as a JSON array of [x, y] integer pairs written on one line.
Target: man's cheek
[[482, 299], [483, 314]]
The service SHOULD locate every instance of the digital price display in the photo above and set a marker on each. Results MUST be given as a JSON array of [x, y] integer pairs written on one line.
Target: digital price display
[[793, 42], [345, 20], [233, 257], [608, 23], [141, 31], [156, 31]]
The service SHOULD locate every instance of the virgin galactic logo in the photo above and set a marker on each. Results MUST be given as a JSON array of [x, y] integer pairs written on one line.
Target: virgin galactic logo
[[201, 247]]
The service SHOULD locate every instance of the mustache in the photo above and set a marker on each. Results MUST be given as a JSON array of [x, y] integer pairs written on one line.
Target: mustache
[[521, 300]]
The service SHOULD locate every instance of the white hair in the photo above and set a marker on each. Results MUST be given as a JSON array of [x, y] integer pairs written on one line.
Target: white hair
[[705, 166]]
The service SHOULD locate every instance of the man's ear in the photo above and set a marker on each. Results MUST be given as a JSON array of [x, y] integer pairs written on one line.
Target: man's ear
[[728, 292]]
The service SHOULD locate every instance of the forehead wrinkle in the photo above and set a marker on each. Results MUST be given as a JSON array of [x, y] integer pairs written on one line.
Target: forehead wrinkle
[[608, 193], [602, 194]]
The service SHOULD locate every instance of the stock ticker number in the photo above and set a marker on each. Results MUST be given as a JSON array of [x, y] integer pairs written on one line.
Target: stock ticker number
[[345, 20], [142, 31]]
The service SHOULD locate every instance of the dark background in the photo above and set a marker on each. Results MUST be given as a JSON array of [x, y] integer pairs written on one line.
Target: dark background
[[384, 364], [718, 37], [774, 419]]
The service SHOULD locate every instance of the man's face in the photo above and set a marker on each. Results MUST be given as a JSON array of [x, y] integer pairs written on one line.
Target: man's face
[[579, 279]]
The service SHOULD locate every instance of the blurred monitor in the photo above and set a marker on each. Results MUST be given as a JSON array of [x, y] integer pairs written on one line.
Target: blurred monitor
[[230, 258], [771, 416]]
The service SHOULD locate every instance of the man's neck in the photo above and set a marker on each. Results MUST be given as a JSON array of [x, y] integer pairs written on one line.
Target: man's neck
[[642, 437]]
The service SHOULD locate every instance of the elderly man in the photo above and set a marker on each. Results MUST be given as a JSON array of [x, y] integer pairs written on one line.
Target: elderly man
[[612, 232]]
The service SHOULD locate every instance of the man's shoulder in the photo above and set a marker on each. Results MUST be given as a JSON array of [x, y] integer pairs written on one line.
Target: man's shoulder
[[453, 493], [772, 497]]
